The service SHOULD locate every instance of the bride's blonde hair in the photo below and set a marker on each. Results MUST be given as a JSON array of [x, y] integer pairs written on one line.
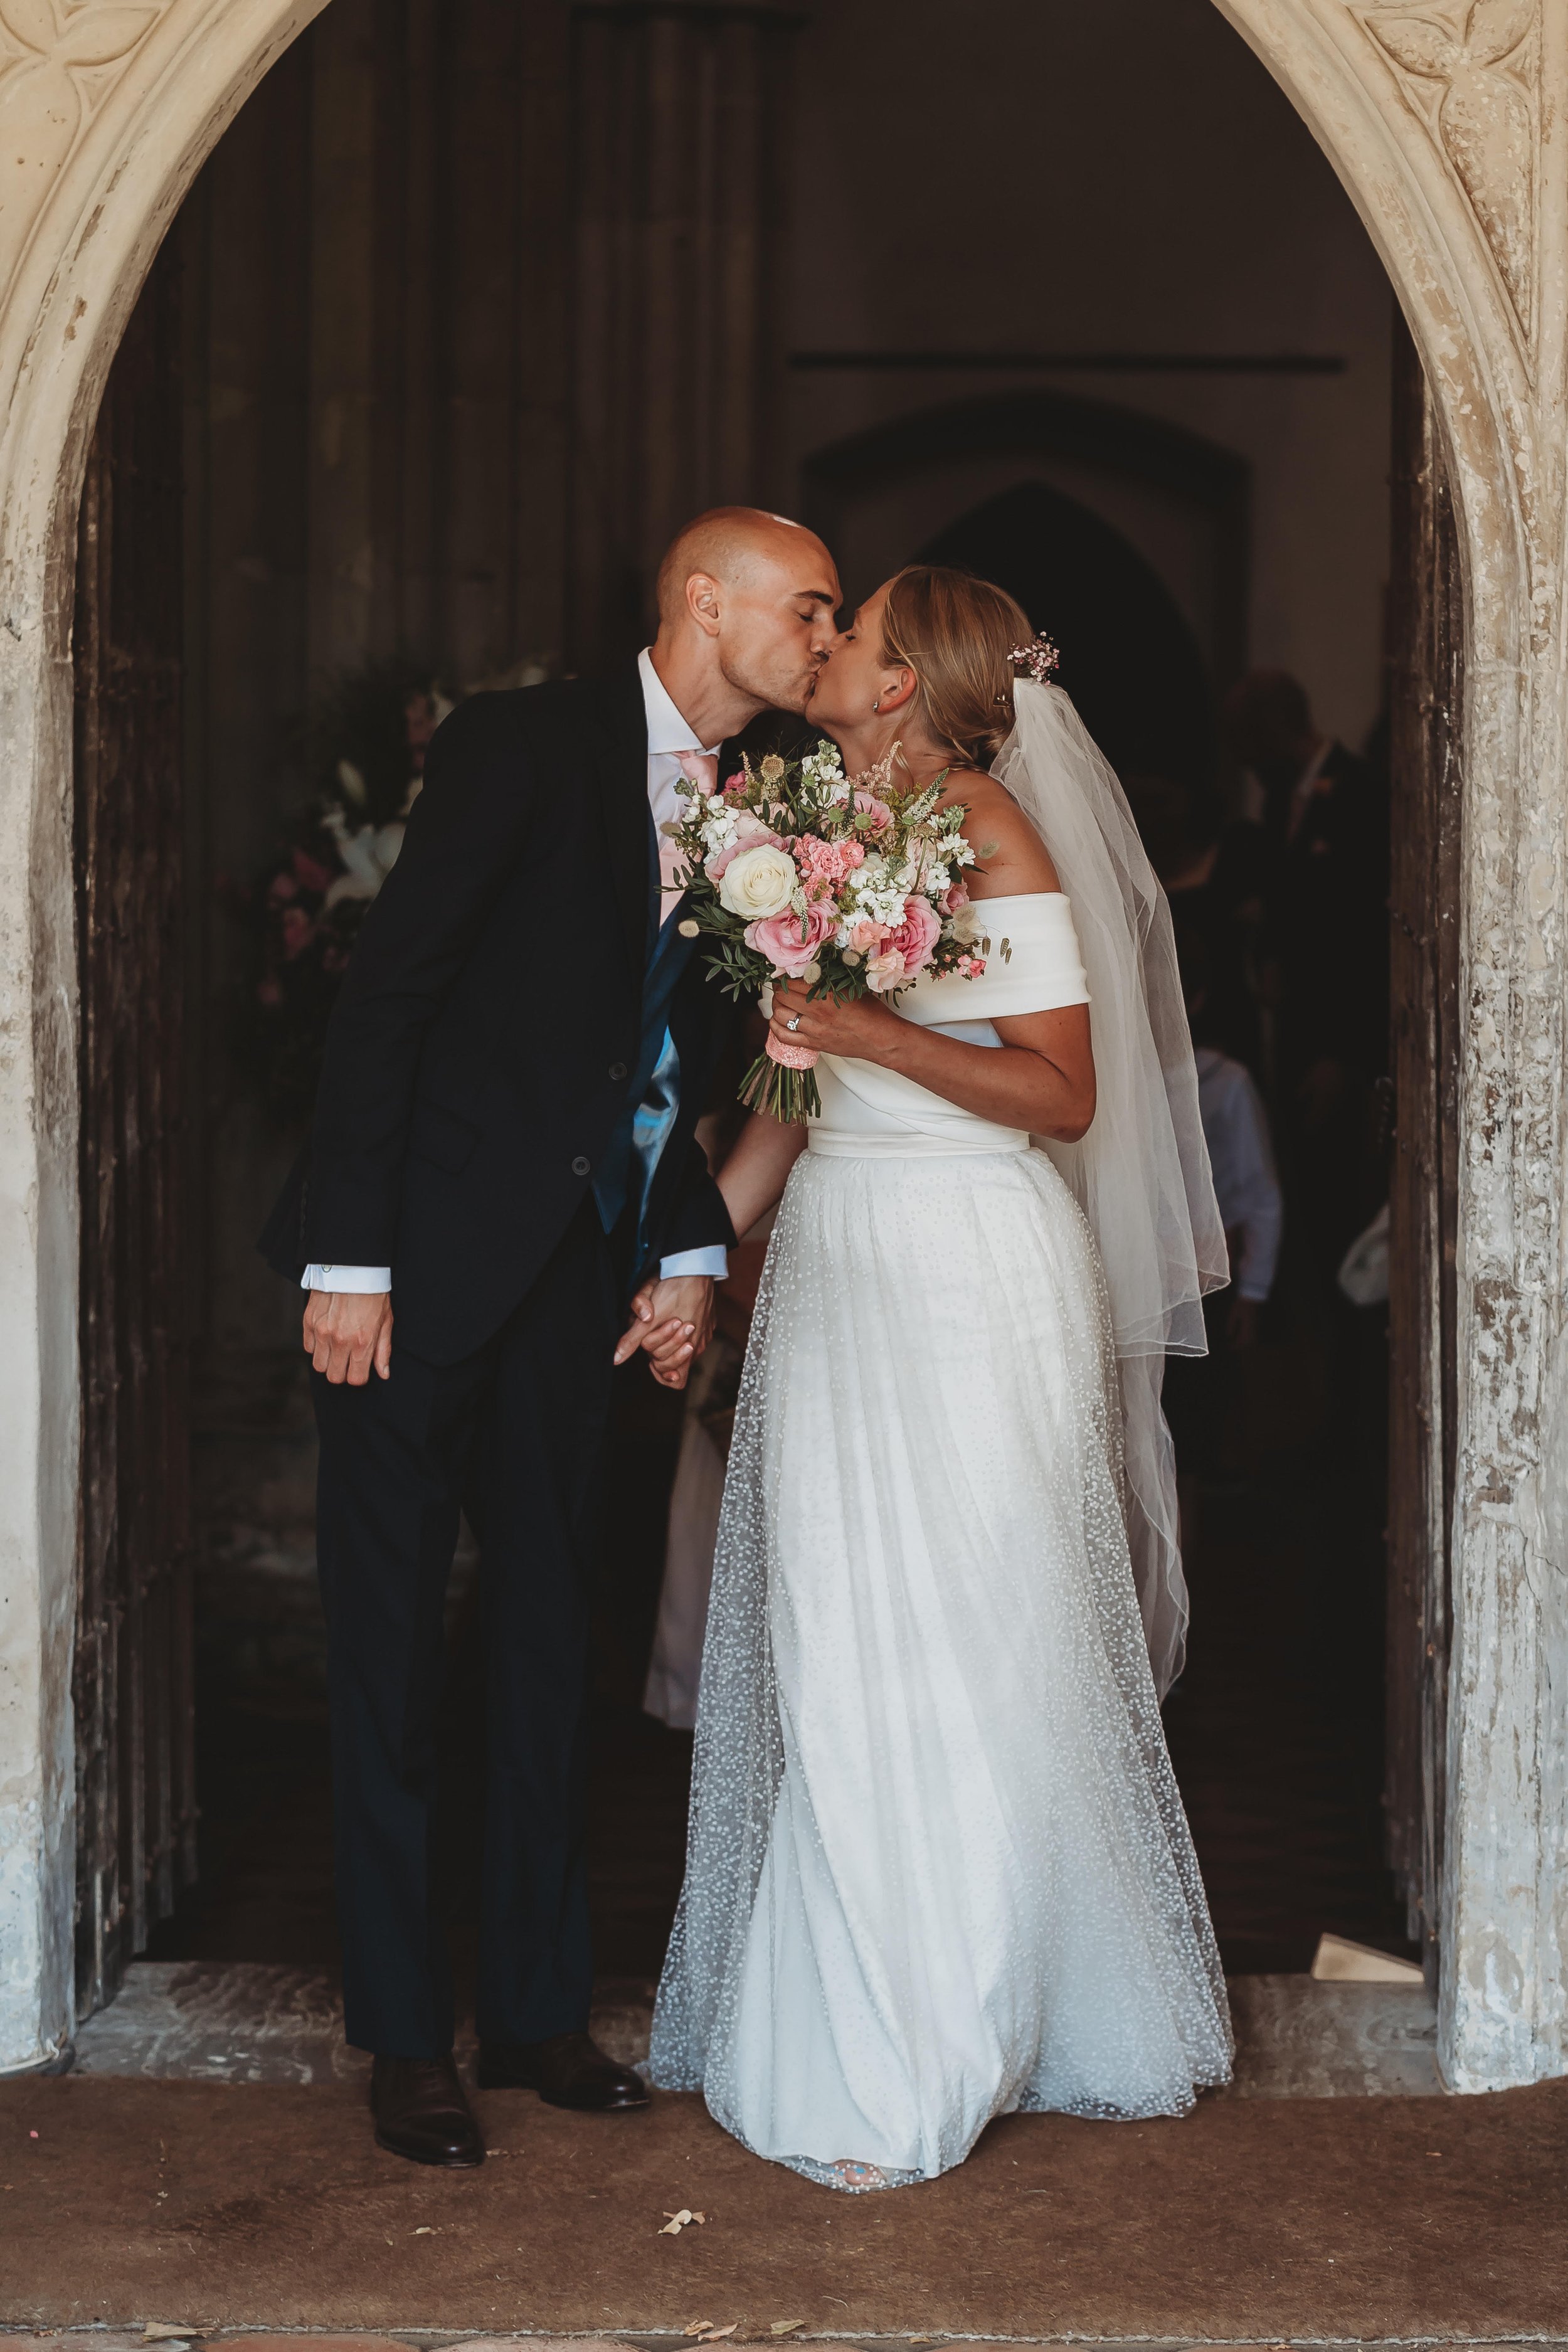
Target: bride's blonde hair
[[957, 635]]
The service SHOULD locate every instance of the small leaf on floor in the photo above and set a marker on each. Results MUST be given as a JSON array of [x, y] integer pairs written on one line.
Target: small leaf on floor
[[786, 2326]]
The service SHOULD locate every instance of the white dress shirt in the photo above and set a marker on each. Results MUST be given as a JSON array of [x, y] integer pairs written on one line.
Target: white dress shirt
[[1235, 1128], [668, 736]]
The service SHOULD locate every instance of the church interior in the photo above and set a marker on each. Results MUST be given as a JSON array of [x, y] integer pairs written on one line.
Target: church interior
[[474, 303]]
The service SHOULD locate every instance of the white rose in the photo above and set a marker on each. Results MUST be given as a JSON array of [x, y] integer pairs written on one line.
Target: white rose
[[759, 882]]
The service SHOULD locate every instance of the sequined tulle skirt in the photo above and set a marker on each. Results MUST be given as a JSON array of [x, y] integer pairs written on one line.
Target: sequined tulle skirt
[[938, 1867]]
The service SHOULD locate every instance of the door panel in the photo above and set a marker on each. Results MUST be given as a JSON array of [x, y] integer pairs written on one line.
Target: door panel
[[1426, 631], [135, 1793]]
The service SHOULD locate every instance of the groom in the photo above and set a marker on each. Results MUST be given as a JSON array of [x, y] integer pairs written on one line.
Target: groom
[[502, 1147]]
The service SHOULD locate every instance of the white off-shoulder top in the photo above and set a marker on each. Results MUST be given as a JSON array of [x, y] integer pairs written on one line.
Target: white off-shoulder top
[[1035, 965]]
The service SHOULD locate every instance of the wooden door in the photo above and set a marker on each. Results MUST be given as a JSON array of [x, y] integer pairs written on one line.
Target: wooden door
[[1426, 647], [135, 1795]]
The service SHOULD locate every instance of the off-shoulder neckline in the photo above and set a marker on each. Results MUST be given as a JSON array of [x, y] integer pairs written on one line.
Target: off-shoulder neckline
[[1017, 898]]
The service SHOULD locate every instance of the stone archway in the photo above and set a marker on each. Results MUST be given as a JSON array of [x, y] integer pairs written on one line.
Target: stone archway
[[1447, 126]]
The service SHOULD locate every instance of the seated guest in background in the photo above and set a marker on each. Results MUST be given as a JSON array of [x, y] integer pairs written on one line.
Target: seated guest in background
[[1201, 1393], [1214, 876], [1324, 816], [1324, 813]]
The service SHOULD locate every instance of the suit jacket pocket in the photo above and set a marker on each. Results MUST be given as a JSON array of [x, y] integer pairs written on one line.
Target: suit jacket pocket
[[439, 1134]]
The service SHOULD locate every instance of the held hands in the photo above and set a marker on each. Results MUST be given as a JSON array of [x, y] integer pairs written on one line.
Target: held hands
[[862, 1030], [347, 1331], [672, 1322]]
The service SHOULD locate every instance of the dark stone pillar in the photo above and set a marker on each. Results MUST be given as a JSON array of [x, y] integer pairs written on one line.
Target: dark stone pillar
[[683, 179]]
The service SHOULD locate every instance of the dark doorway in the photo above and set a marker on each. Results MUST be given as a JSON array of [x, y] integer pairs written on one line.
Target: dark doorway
[[1127, 658], [1278, 1729]]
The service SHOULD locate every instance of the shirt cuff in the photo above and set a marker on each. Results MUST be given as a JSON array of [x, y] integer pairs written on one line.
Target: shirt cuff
[[714, 1260], [346, 1277]]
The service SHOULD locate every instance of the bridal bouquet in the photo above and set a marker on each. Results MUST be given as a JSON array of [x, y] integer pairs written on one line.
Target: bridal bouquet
[[797, 872]]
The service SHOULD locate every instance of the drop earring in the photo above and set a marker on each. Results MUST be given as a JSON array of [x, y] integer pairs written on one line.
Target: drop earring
[[877, 705]]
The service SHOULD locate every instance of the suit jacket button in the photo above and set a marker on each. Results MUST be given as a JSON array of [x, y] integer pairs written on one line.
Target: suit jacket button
[[618, 1072], [580, 1166]]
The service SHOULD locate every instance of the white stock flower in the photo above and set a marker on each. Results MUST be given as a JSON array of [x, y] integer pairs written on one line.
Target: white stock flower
[[757, 883]]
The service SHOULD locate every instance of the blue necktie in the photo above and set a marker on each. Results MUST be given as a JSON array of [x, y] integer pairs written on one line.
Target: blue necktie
[[652, 1097]]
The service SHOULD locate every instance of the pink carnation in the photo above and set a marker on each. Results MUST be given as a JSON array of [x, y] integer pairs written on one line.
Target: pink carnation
[[915, 937], [824, 865], [791, 942]]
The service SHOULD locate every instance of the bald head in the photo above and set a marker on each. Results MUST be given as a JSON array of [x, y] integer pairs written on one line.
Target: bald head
[[731, 544], [746, 602]]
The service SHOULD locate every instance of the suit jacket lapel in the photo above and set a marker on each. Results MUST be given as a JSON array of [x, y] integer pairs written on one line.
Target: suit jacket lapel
[[622, 782]]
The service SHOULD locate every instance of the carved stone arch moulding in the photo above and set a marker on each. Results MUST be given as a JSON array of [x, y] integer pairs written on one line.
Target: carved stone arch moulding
[[1471, 72], [57, 66]]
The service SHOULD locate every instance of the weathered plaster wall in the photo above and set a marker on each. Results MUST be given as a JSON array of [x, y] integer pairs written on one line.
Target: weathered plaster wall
[[1447, 123]]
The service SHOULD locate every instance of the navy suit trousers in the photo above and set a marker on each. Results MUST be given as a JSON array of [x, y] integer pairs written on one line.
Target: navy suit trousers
[[513, 1435]]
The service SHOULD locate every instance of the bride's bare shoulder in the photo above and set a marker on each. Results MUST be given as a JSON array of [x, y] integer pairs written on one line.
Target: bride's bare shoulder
[[1012, 856]]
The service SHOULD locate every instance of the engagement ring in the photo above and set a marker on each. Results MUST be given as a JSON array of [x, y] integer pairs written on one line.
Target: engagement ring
[[794, 1021]]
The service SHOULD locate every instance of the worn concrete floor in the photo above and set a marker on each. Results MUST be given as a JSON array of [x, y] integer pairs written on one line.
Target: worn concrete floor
[[1255, 2220]]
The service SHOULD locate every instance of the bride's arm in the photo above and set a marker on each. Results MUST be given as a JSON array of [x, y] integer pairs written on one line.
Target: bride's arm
[[757, 1170], [1040, 1078]]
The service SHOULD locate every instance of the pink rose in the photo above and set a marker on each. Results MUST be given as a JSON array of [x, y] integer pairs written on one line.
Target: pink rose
[[868, 804], [885, 970], [863, 935], [915, 937], [791, 942], [957, 897]]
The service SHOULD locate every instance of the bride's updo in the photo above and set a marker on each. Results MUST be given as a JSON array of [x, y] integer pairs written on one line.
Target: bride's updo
[[957, 635]]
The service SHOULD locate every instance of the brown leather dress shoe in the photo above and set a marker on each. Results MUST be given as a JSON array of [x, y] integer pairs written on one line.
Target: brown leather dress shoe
[[570, 2070], [421, 2113]]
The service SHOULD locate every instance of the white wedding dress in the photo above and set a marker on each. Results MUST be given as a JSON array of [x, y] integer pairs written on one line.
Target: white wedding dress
[[938, 1867]]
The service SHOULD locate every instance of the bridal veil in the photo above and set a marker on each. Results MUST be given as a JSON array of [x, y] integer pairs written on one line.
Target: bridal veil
[[1142, 1173]]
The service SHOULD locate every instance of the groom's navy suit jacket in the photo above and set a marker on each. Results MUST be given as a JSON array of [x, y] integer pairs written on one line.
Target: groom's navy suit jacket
[[481, 1052]]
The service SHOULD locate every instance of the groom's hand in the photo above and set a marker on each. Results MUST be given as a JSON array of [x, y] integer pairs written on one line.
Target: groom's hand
[[672, 1322], [347, 1331]]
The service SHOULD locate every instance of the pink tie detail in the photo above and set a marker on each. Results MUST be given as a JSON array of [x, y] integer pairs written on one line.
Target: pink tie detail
[[671, 863], [702, 767]]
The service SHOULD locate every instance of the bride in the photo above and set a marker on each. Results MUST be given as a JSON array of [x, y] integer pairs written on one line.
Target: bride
[[937, 1869]]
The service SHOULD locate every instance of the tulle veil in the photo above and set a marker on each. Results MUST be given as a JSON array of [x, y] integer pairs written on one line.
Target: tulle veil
[[1142, 1173]]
